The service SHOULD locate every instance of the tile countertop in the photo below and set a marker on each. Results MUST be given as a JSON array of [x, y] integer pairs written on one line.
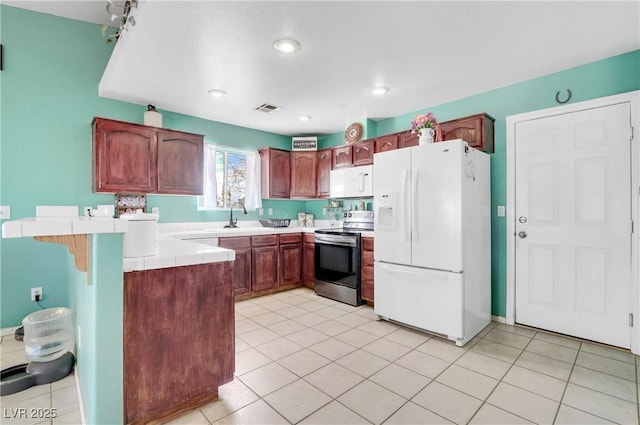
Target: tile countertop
[[174, 253], [71, 225]]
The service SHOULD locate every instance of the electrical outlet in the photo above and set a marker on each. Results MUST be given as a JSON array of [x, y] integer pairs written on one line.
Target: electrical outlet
[[36, 294], [270, 211], [260, 212], [155, 210], [501, 211], [5, 212]]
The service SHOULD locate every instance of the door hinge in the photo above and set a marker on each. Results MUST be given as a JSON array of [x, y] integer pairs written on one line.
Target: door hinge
[[630, 320]]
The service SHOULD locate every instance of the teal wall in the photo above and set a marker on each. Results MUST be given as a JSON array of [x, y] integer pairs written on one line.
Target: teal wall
[[607, 77], [97, 305], [49, 97], [49, 87]]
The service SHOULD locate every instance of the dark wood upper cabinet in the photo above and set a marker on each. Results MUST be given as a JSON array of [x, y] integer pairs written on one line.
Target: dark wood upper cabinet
[[323, 173], [276, 172], [341, 156], [476, 130], [406, 139], [180, 163], [136, 158], [387, 143], [303, 174], [363, 152]]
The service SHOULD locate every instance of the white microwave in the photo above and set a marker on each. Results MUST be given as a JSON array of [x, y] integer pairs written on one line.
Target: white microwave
[[351, 182]]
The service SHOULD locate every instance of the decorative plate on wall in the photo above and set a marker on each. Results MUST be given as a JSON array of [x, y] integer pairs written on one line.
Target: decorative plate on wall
[[353, 133]]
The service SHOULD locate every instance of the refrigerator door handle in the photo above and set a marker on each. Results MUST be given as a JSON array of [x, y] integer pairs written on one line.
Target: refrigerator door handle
[[420, 272], [405, 205], [414, 215]]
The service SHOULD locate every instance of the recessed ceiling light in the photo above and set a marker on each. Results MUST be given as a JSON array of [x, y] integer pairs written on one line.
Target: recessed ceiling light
[[304, 117], [217, 93], [379, 90], [286, 45]]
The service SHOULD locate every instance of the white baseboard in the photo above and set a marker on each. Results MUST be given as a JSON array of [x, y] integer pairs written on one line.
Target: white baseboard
[[8, 331], [499, 319]]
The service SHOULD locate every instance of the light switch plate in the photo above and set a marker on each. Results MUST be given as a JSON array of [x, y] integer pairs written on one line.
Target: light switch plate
[[501, 211], [5, 212]]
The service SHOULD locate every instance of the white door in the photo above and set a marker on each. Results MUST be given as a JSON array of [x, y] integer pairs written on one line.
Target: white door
[[573, 223]]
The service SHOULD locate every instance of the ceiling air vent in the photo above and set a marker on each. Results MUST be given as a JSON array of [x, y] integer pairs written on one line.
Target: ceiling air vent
[[267, 107]]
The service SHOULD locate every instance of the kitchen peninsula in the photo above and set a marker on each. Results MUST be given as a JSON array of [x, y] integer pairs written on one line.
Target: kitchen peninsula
[[150, 343]]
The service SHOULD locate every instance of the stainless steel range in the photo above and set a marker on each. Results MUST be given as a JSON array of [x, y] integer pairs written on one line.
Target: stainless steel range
[[337, 258]]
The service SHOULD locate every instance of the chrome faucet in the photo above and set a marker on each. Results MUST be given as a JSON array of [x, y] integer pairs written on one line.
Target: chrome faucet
[[232, 222]]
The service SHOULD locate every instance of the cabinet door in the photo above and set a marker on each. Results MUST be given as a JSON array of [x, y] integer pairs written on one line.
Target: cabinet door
[[476, 130], [387, 143], [308, 261], [303, 174], [265, 268], [180, 163], [323, 173], [406, 139], [124, 158], [363, 152], [290, 263], [367, 269], [242, 265], [276, 173], [341, 157]]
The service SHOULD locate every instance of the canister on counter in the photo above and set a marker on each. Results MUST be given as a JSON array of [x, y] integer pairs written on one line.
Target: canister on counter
[[301, 219], [310, 220]]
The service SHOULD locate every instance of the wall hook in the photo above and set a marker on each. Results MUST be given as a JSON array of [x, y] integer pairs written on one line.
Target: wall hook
[[563, 101]]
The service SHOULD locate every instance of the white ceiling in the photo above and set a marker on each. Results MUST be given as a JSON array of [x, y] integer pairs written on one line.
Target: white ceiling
[[427, 52]]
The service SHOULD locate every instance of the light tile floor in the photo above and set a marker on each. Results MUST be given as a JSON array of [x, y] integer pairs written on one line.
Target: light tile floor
[[305, 359]]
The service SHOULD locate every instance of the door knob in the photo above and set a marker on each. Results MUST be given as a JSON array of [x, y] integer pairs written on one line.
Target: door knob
[[522, 234]]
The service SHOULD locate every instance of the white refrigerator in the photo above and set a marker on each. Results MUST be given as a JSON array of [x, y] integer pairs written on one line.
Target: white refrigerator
[[432, 245]]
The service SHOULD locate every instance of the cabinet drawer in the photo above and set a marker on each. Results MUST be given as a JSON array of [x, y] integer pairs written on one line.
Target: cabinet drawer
[[308, 238], [291, 238], [233, 243], [264, 240], [367, 258], [367, 244]]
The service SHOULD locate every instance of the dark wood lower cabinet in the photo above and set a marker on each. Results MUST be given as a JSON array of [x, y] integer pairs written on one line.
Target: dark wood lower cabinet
[[367, 269], [242, 265], [290, 258], [178, 339], [308, 260]]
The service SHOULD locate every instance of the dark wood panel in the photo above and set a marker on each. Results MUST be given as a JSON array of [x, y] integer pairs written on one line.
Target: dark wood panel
[[124, 158], [341, 157], [264, 268], [276, 173], [406, 139], [308, 261], [367, 244], [323, 173], [476, 130], [264, 240], [178, 338], [290, 263], [180, 163], [363, 152], [290, 238], [303, 174], [387, 143], [242, 264]]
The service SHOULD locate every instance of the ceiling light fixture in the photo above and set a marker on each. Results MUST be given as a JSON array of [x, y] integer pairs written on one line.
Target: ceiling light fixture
[[379, 90], [286, 45], [217, 93], [304, 117]]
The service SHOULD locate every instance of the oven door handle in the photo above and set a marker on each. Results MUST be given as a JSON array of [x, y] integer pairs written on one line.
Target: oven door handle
[[330, 240]]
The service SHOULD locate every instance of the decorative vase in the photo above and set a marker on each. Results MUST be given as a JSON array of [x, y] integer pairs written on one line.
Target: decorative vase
[[426, 136]]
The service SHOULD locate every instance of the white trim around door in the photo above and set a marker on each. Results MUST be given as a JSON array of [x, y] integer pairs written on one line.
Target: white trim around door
[[633, 99]]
